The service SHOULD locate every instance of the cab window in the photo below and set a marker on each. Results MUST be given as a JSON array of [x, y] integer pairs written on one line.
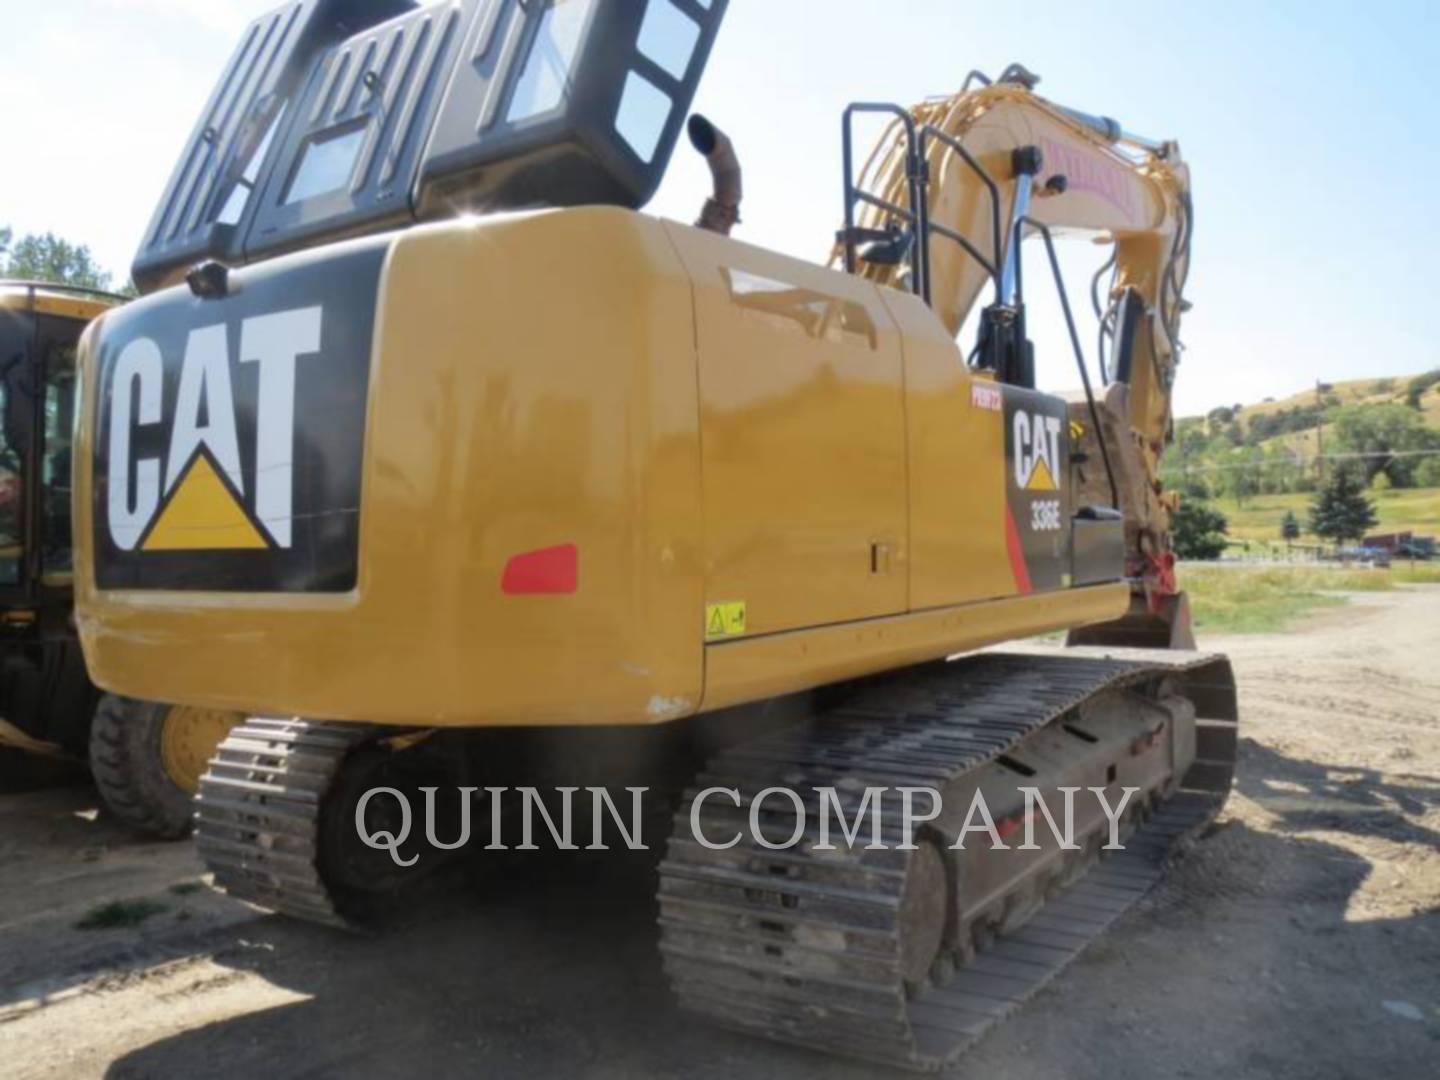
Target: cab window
[[15, 339], [59, 374]]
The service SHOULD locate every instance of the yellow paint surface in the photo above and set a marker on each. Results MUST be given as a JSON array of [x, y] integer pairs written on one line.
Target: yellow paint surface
[[705, 421]]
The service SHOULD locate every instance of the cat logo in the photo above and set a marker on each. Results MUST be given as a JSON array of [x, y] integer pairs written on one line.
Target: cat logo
[[193, 496], [1037, 451]]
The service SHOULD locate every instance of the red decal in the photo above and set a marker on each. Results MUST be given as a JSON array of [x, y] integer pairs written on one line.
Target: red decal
[[1008, 827], [549, 570], [1016, 553], [986, 396]]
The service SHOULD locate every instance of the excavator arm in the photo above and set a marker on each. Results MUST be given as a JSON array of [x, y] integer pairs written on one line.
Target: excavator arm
[[941, 206]]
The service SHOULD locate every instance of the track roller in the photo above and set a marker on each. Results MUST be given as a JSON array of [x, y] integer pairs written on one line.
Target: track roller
[[906, 956]]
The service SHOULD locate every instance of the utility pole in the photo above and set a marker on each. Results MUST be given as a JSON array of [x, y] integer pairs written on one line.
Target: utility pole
[[1320, 434]]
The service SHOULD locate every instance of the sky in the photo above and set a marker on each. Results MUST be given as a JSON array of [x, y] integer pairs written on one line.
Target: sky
[[1310, 129]]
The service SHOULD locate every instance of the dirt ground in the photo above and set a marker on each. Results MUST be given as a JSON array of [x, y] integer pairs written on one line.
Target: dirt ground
[[1301, 938]]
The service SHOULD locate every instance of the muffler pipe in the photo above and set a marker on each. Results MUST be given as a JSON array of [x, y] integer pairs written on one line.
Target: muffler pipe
[[722, 210]]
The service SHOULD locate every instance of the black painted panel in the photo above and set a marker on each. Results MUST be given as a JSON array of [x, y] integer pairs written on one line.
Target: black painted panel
[[1037, 468], [193, 441]]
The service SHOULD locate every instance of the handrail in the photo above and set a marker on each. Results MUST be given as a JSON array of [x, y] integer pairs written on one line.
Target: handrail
[[917, 214], [1044, 231], [915, 173], [992, 266]]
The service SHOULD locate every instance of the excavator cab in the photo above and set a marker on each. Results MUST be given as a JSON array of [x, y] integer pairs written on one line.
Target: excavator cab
[[374, 114], [45, 697], [146, 758]]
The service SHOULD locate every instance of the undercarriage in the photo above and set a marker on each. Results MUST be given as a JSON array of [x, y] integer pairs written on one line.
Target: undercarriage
[[899, 943]]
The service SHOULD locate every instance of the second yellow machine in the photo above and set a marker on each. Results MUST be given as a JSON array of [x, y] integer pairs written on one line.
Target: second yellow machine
[[422, 428], [146, 757]]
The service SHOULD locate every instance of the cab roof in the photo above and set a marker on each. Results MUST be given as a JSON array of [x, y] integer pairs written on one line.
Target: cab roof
[[49, 298]]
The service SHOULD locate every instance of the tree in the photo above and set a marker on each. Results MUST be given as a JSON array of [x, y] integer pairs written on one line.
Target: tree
[[1219, 417], [1190, 438], [1415, 389], [1198, 530], [1194, 486], [1341, 512], [47, 257], [1383, 433], [1290, 527], [1280, 469], [1245, 468], [1427, 473]]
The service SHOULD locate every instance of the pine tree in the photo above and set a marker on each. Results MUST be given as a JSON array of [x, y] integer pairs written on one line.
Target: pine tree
[[1341, 512], [1290, 527], [1198, 531]]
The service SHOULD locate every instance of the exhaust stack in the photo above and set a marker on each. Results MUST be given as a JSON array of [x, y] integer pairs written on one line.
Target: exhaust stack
[[722, 210]]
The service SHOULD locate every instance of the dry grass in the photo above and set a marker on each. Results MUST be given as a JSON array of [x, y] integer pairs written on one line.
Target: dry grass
[[1264, 599]]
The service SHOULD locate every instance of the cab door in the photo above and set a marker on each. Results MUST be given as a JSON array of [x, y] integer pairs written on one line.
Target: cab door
[[802, 432], [17, 338]]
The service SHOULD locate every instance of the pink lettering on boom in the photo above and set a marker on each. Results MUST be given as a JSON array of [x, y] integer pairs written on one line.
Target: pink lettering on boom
[[1084, 173]]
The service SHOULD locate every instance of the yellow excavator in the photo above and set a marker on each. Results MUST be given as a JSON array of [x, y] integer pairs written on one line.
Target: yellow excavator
[[146, 758], [423, 435]]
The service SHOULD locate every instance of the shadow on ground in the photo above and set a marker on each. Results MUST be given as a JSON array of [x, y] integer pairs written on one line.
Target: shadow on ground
[[1243, 963], [1311, 796], [21, 771]]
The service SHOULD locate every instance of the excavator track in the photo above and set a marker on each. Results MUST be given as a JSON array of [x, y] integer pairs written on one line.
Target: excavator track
[[812, 948], [258, 822]]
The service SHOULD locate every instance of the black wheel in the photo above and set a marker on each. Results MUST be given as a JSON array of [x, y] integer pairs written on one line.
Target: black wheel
[[365, 880], [147, 759]]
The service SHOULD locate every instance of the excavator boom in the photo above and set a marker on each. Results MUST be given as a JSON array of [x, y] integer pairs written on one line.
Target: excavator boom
[[960, 182]]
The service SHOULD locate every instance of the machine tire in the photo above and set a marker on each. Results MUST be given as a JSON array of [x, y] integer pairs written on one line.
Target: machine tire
[[127, 764]]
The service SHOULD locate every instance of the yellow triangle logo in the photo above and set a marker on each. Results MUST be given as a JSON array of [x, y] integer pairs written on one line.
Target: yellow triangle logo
[[1040, 478], [202, 514]]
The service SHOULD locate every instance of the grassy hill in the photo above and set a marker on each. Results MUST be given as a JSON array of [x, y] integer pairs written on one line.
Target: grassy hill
[[1258, 461], [1390, 390]]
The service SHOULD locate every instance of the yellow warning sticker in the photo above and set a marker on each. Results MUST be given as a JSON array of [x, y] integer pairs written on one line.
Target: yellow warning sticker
[[725, 620]]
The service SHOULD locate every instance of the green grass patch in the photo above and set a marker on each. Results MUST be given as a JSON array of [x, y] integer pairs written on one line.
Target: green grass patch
[[1419, 573], [118, 914], [1265, 599], [1399, 510]]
